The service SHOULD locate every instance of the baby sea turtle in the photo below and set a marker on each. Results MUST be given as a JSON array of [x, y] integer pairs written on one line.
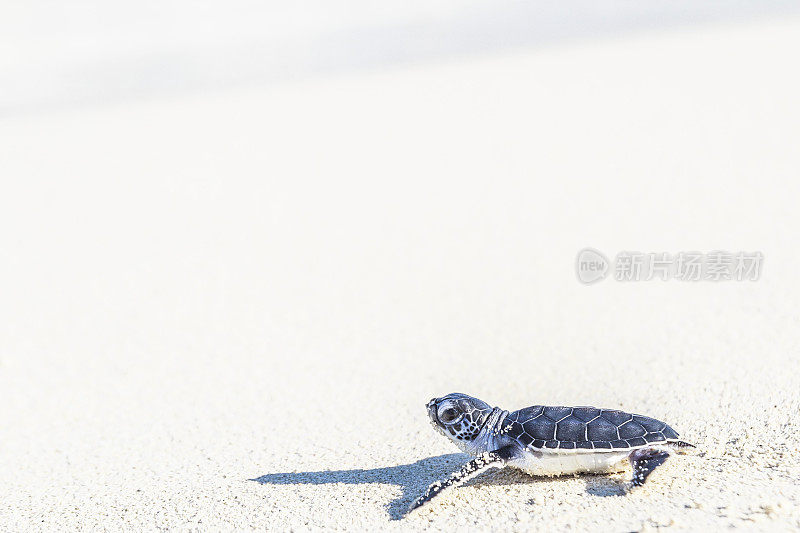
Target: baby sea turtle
[[548, 441]]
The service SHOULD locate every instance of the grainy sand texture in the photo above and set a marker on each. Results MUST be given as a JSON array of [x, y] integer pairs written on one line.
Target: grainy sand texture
[[226, 310]]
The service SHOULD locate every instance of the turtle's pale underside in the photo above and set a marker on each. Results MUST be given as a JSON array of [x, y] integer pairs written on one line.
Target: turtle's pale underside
[[548, 441]]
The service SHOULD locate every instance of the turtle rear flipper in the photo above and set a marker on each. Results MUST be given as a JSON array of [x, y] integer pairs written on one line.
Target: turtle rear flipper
[[471, 469], [644, 461]]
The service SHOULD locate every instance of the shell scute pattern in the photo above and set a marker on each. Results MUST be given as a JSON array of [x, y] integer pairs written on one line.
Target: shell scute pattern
[[541, 429], [568, 428], [601, 429], [616, 417], [669, 433], [524, 415], [631, 431], [588, 428], [650, 424], [586, 414], [525, 439], [557, 413]]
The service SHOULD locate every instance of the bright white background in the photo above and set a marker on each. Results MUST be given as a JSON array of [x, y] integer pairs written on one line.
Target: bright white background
[[243, 241], [56, 54]]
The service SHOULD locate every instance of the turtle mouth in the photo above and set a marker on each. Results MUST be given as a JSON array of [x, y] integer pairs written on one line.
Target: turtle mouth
[[434, 417], [432, 411]]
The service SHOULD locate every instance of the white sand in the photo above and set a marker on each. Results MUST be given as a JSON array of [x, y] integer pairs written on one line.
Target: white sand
[[268, 285]]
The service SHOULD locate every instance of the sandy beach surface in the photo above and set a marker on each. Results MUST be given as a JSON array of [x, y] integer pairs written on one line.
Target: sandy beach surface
[[227, 310]]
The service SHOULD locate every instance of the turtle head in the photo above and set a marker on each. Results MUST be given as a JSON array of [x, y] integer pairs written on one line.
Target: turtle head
[[459, 417]]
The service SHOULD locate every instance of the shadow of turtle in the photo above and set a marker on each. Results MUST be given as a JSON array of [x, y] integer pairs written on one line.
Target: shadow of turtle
[[605, 486], [602, 485], [412, 478], [505, 477]]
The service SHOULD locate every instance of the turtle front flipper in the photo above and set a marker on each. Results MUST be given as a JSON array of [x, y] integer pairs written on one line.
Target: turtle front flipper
[[644, 461], [471, 469]]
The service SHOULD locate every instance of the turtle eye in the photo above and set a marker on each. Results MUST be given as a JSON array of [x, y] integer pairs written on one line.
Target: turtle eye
[[449, 415]]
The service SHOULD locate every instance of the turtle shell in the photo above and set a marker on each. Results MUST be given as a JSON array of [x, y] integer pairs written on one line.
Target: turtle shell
[[570, 428]]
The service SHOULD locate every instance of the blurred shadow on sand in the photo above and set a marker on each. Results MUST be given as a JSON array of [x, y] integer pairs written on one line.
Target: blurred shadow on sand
[[414, 478], [606, 486], [602, 485]]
